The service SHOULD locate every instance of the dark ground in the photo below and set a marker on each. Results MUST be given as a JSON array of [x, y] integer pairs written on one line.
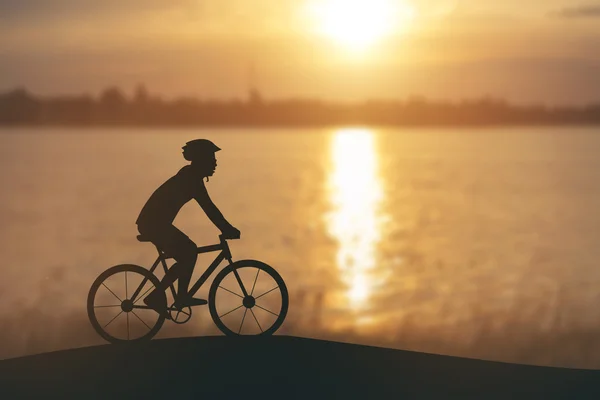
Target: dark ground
[[278, 367]]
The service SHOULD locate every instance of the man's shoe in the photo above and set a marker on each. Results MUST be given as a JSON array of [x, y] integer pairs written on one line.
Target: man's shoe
[[155, 300], [189, 301]]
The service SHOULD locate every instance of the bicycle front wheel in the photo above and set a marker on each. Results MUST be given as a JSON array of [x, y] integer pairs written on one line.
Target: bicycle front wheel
[[248, 298], [115, 304]]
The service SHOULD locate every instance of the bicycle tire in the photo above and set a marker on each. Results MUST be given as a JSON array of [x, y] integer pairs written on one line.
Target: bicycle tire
[[246, 264], [91, 308]]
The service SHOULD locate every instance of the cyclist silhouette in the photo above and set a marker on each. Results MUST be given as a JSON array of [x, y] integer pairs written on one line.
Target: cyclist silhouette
[[155, 221]]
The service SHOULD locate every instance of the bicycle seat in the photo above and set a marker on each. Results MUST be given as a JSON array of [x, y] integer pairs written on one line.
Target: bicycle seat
[[143, 238]]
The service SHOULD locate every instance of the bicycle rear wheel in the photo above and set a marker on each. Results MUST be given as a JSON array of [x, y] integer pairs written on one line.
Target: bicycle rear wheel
[[248, 298], [115, 304]]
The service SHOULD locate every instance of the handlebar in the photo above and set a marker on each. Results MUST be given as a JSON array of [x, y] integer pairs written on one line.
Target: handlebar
[[223, 238]]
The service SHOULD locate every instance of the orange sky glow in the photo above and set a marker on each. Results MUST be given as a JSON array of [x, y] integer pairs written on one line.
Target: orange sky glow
[[541, 51]]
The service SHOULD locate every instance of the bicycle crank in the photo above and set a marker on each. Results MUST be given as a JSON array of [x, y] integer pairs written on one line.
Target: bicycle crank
[[180, 315]]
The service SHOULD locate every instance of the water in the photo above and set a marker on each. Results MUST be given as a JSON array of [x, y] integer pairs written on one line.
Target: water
[[479, 243]]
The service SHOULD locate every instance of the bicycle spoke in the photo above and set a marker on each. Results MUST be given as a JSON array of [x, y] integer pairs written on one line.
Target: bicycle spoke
[[117, 305], [255, 279], [241, 297], [138, 317], [149, 289], [109, 322], [243, 318], [126, 292], [127, 326], [258, 297], [229, 312], [262, 308], [113, 293], [261, 330]]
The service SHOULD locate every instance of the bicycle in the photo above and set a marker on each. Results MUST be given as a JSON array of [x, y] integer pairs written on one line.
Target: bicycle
[[228, 282]]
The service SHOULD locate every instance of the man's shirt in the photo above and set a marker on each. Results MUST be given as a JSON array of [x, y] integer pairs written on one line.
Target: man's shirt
[[164, 204]]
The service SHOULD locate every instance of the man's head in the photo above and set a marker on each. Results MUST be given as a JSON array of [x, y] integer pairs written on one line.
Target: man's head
[[201, 152]]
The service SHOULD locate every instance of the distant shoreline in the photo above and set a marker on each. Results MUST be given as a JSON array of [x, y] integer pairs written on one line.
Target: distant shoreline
[[113, 109]]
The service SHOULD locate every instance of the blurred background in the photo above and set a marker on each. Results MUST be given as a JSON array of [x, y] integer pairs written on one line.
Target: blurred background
[[422, 174]]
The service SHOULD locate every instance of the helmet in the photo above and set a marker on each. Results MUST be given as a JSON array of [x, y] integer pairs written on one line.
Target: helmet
[[199, 149]]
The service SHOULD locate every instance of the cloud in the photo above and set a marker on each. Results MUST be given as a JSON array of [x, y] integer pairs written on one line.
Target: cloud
[[583, 11]]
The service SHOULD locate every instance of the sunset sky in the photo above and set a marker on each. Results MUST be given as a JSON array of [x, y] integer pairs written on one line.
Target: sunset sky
[[526, 51]]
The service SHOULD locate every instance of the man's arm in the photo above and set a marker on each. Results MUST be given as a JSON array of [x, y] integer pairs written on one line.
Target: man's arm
[[211, 210]]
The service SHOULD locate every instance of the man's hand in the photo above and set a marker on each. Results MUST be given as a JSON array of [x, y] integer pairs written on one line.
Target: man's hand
[[231, 233]]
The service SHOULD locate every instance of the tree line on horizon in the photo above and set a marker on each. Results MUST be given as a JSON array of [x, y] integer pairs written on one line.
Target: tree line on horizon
[[114, 108]]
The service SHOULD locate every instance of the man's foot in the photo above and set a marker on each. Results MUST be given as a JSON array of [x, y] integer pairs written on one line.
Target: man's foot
[[155, 300], [189, 301]]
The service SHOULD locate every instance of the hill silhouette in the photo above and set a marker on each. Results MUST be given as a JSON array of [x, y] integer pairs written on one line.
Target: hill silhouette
[[279, 367], [114, 108]]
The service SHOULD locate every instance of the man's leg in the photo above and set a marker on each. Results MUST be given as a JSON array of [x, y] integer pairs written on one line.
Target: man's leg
[[182, 270], [180, 247], [185, 252], [186, 261]]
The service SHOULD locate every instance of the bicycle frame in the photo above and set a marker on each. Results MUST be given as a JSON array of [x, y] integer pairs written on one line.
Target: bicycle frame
[[225, 254]]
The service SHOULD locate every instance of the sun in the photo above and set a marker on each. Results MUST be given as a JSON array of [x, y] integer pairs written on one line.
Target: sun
[[359, 24]]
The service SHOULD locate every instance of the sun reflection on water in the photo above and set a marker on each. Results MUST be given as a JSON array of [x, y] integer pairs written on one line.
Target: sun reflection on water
[[355, 196]]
